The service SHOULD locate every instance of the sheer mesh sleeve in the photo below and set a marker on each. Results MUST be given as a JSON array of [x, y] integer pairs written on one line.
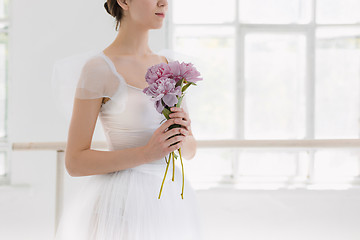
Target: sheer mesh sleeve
[[86, 76], [96, 80]]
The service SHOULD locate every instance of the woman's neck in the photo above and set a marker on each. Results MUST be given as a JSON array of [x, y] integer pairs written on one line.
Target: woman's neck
[[131, 41]]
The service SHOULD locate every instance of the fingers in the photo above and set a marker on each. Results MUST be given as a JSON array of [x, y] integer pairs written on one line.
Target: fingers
[[173, 140], [175, 131], [176, 146], [166, 124], [184, 123], [180, 114], [181, 117], [176, 109]]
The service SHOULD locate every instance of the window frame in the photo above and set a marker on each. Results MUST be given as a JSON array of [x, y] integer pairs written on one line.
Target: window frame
[[241, 29], [5, 145]]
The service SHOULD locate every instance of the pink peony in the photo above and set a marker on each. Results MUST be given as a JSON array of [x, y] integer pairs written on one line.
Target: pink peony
[[163, 89], [166, 89], [157, 71], [184, 70], [164, 86], [189, 73]]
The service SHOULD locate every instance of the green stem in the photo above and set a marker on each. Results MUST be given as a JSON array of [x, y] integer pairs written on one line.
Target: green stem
[[182, 167], [167, 166], [167, 160]]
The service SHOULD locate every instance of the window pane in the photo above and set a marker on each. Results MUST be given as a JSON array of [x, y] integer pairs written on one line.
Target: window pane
[[275, 11], [337, 83], [212, 102], [203, 11], [336, 163], [335, 11], [3, 168], [3, 73], [209, 166], [263, 163], [4, 7], [274, 82]]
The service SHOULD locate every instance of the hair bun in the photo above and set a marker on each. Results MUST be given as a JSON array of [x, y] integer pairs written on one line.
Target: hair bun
[[113, 8], [106, 7]]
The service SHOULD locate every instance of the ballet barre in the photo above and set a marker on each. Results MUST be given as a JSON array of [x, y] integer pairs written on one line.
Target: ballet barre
[[297, 144]]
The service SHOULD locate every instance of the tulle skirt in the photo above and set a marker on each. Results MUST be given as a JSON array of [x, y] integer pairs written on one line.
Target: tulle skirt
[[124, 205]]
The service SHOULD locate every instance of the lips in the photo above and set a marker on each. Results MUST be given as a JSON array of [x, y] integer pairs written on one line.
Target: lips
[[160, 14]]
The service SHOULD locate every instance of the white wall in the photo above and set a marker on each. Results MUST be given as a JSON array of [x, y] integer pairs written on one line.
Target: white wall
[[43, 31]]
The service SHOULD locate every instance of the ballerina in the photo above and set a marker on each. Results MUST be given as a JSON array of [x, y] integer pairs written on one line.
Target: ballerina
[[119, 201]]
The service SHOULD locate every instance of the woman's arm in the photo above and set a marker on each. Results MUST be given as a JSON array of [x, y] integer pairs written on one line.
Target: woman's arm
[[188, 150], [80, 160]]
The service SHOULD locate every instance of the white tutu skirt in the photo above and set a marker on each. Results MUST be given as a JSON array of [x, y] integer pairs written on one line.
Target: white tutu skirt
[[124, 205]]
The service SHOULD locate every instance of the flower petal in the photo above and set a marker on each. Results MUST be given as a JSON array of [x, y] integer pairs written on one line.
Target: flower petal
[[170, 99]]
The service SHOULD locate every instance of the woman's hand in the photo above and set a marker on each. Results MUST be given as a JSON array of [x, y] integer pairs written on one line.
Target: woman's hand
[[160, 143], [188, 149], [182, 116]]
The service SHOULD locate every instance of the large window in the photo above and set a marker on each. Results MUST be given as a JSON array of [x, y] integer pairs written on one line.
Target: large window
[[281, 69], [4, 144]]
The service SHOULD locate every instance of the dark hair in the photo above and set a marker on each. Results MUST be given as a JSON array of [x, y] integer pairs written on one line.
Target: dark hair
[[114, 9]]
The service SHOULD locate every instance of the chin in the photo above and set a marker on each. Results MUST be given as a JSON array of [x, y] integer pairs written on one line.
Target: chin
[[156, 26]]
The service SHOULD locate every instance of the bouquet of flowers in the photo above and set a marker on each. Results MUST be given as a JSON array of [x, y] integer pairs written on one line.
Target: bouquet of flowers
[[167, 86]]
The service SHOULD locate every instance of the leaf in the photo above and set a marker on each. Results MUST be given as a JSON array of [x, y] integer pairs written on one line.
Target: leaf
[[186, 86], [179, 101], [179, 83], [166, 112]]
